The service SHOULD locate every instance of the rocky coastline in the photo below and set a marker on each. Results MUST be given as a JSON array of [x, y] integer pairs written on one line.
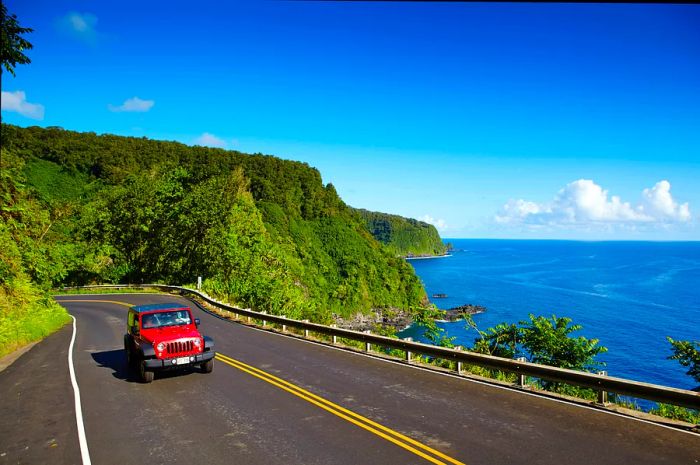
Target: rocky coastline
[[398, 319], [425, 256], [392, 318], [455, 313]]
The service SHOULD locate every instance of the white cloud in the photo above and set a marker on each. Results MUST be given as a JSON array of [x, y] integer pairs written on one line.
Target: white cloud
[[658, 202], [133, 104], [210, 140], [17, 102], [516, 210], [81, 26], [584, 203], [438, 223]]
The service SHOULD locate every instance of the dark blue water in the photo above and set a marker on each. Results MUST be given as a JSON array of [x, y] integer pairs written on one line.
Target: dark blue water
[[629, 295]]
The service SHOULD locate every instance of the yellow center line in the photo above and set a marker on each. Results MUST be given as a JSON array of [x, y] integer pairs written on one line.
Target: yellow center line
[[126, 304], [363, 422], [348, 415]]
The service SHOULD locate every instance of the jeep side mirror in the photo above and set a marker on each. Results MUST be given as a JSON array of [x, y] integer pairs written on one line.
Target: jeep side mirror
[[196, 321]]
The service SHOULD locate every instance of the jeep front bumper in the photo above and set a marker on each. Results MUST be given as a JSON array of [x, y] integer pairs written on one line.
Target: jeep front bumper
[[178, 362]]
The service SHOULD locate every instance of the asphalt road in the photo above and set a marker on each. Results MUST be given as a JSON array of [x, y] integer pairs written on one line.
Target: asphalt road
[[279, 400]]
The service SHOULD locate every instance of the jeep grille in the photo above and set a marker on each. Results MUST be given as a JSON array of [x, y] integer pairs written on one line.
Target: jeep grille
[[179, 347]]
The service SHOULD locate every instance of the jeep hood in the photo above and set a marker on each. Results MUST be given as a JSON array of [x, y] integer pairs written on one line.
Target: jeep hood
[[169, 333]]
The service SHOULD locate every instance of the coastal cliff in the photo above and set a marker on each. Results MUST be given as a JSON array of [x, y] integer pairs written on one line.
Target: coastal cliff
[[406, 237]]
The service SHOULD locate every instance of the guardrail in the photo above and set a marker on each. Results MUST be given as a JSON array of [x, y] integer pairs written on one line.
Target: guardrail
[[602, 384]]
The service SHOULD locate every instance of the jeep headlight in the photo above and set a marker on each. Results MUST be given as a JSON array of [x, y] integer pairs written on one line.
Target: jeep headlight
[[160, 346], [197, 342]]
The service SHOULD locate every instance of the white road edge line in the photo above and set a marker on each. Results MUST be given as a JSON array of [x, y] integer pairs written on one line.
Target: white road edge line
[[84, 452]]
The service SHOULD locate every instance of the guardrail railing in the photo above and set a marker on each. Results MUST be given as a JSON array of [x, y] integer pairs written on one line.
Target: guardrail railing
[[602, 384]]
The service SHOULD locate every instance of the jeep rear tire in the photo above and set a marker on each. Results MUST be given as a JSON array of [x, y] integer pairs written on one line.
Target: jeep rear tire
[[129, 358], [208, 366], [127, 351], [146, 375]]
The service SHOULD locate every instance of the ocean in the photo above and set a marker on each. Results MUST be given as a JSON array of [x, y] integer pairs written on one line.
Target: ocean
[[629, 295]]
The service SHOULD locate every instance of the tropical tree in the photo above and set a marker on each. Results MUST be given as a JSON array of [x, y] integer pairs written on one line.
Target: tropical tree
[[542, 340], [13, 44], [501, 341], [425, 317], [548, 341], [688, 355]]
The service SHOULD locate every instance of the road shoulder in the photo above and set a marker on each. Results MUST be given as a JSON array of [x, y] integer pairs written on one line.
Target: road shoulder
[[37, 404], [10, 358]]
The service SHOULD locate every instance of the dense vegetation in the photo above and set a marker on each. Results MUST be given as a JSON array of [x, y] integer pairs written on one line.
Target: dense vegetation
[[549, 341], [263, 232], [404, 236], [688, 355], [29, 262]]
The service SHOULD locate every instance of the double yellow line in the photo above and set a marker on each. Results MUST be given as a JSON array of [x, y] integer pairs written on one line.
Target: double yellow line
[[411, 445], [115, 302]]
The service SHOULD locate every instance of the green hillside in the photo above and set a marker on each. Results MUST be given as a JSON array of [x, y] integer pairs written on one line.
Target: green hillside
[[404, 236], [264, 232]]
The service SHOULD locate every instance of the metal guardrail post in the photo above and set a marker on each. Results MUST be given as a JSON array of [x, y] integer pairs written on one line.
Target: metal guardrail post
[[334, 337], [409, 355], [459, 363], [521, 377], [602, 394]]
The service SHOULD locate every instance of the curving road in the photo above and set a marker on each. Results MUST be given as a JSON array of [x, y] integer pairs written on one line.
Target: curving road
[[278, 400]]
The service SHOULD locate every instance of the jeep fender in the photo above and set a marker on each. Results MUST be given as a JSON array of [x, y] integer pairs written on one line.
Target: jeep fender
[[208, 344], [147, 350]]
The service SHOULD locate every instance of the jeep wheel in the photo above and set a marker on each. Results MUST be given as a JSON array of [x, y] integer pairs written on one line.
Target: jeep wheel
[[146, 375], [208, 366], [129, 357]]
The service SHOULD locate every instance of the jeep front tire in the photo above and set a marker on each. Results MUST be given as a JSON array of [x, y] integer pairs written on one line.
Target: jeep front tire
[[146, 375], [208, 366]]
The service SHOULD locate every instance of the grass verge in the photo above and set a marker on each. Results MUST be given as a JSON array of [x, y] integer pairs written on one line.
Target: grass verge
[[27, 314]]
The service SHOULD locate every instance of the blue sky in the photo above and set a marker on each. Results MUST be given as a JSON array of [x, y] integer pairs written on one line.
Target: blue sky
[[490, 120]]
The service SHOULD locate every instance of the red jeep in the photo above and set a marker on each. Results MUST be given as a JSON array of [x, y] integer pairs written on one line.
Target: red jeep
[[165, 337]]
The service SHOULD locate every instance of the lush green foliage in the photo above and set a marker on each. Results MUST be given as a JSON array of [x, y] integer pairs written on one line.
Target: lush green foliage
[[29, 262], [405, 236], [688, 355], [12, 44], [677, 413], [263, 232], [425, 317], [548, 341], [541, 340]]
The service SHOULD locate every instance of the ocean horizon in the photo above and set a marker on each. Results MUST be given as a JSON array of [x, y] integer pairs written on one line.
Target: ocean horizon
[[627, 294]]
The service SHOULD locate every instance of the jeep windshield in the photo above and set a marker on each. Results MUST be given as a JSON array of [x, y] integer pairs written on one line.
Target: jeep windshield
[[162, 319]]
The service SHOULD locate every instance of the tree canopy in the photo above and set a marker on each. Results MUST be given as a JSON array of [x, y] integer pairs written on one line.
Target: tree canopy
[[405, 236], [13, 44], [263, 232]]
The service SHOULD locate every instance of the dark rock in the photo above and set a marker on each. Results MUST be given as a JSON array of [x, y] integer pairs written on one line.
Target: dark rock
[[395, 318], [455, 313]]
